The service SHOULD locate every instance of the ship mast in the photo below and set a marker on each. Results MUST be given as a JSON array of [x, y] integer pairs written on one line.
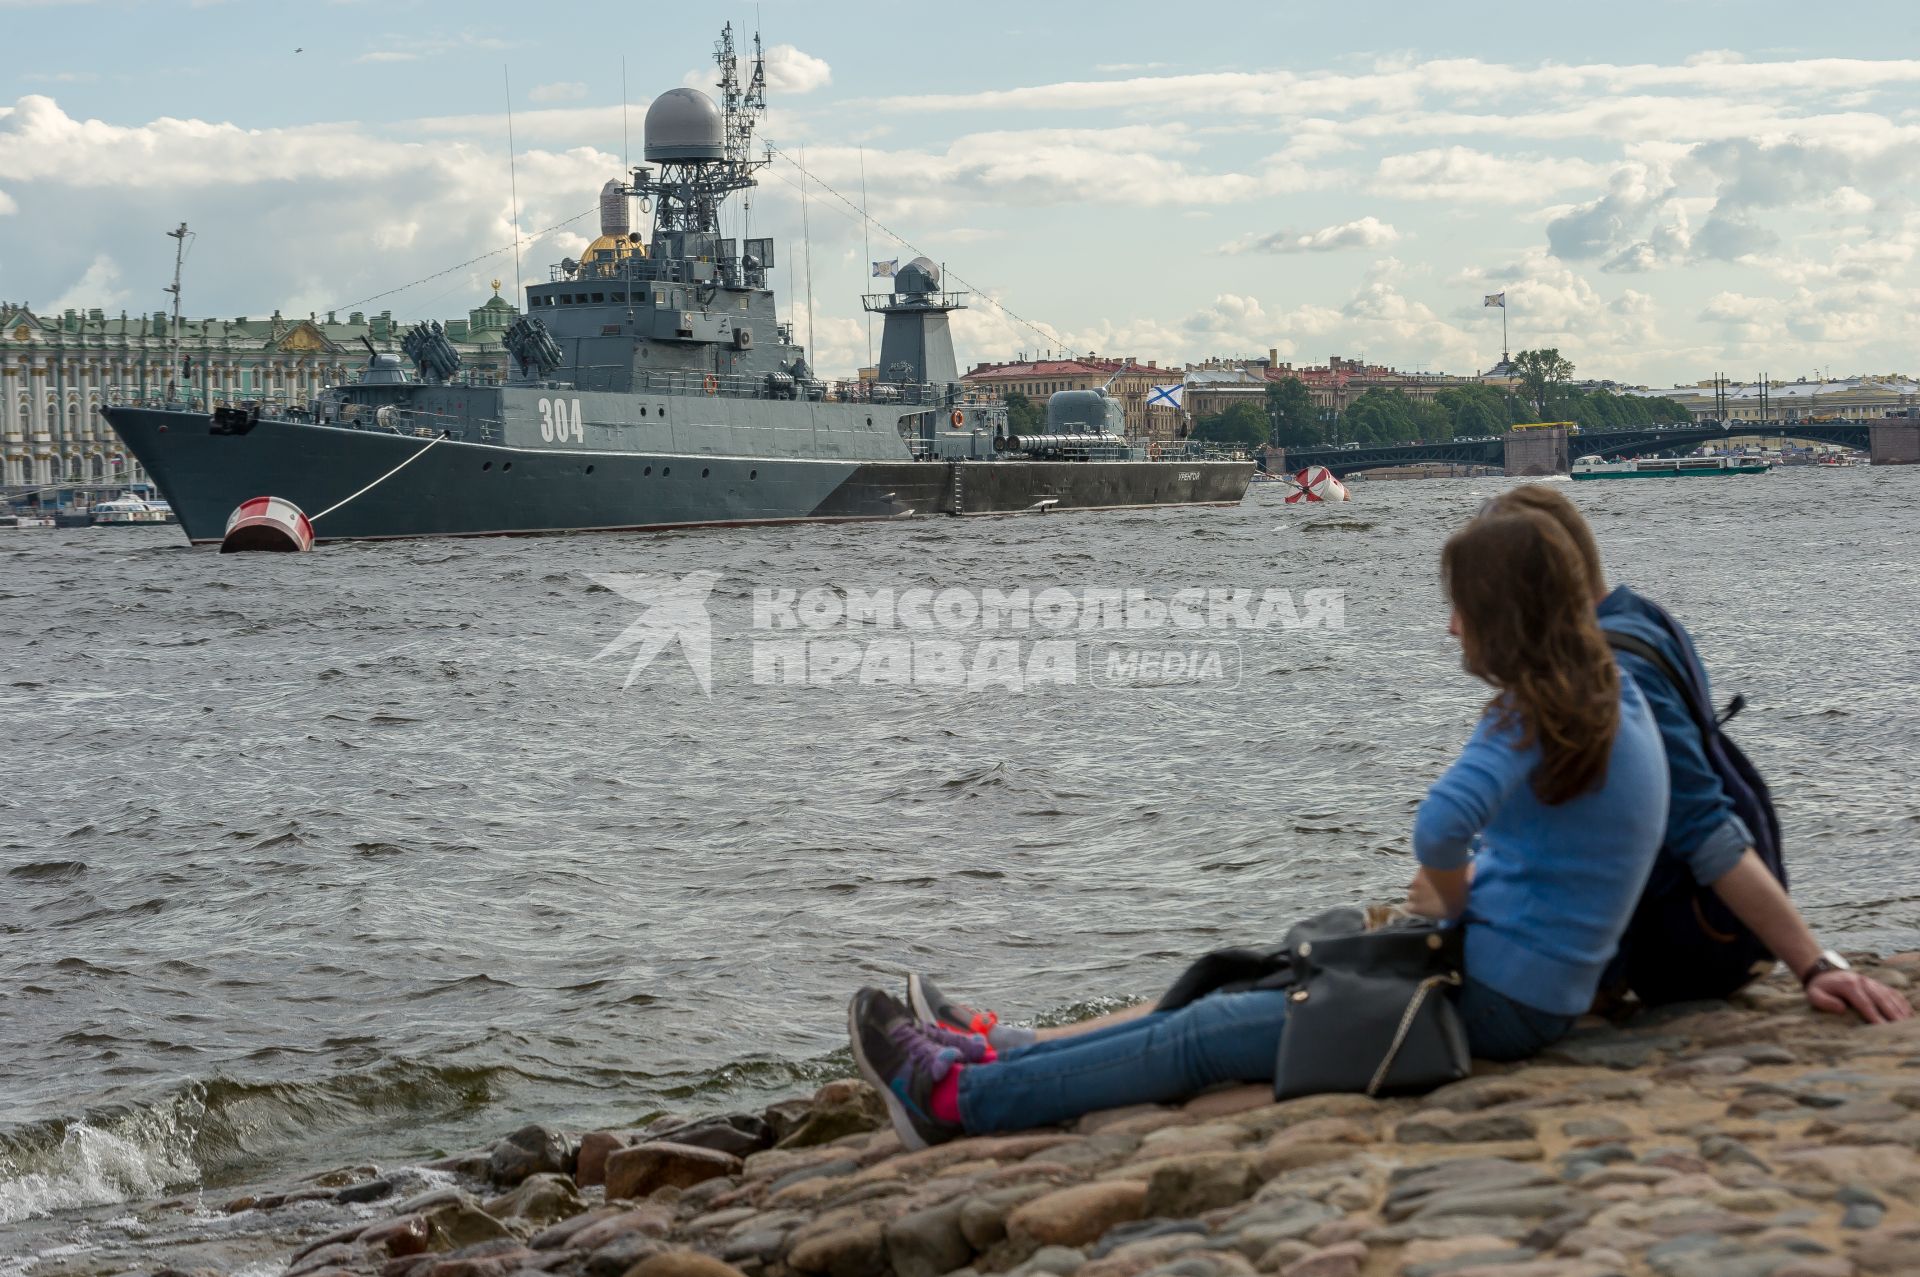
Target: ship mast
[[179, 238], [687, 192]]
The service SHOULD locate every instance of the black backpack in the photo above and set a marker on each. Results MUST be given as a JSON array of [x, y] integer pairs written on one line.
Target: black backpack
[[1683, 943]]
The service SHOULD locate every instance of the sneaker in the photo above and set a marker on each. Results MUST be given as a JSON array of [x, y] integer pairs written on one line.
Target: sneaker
[[934, 1008], [930, 1006], [903, 1064]]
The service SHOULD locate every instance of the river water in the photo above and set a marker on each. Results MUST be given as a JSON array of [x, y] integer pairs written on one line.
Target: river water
[[363, 854]]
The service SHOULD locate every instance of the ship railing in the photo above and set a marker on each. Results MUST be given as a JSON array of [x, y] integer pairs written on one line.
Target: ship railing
[[418, 423], [681, 381], [193, 398], [645, 270], [914, 394], [319, 410]]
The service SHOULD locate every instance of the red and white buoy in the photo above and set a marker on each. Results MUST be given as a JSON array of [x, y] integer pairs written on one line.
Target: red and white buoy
[[1316, 483], [268, 523]]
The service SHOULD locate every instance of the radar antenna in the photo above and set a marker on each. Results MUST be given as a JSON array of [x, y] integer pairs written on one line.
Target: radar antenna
[[686, 189], [744, 108]]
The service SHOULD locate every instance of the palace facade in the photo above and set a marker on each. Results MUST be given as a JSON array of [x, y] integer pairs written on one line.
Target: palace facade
[[56, 370]]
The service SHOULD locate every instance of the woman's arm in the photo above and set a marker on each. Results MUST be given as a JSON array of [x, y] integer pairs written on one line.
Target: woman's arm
[[1466, 797], [1439, 893]]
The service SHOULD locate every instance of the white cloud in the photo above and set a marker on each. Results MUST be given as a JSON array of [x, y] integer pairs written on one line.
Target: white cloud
[[1603, 225], [1364, 232], [320, 186], [791, 71], [388, 55], [1461, 173], [7, 205], [98, 286], [558, 91], [1394, 84]]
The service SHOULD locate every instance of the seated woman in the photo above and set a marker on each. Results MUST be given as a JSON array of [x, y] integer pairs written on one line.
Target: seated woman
[[1537, 839]]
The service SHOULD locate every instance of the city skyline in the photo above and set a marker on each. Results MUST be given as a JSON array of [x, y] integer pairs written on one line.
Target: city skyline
[[1659, 207]]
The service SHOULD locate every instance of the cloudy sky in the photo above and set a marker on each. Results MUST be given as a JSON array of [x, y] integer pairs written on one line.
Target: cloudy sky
[[1661, 189]]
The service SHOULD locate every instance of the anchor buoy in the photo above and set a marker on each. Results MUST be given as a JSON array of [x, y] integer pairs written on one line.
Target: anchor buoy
[[959, 418], [268, 523], [711, 383]]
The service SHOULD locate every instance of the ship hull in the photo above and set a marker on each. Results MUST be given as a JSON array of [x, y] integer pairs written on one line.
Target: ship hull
[[458, 488]]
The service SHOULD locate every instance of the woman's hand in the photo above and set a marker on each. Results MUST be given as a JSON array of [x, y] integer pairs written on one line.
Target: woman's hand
[[1423, 899]]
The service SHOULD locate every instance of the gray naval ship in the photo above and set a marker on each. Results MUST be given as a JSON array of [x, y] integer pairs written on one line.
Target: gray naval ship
[[653, 386]]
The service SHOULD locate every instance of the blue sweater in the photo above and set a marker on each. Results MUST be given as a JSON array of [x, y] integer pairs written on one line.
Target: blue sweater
[[1703, 833], [1553, 887]]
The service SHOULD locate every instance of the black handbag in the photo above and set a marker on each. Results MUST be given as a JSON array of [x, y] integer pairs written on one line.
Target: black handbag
[[1371, 1011]]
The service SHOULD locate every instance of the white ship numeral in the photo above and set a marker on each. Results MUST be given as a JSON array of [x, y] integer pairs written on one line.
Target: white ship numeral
[[555, 422]]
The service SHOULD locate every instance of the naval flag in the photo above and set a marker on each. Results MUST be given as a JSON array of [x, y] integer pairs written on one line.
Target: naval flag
[[1496, 299], [883, 269], [1165, 396]]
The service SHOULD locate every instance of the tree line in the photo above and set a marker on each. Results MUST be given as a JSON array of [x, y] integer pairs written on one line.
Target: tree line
[[1542, 391]]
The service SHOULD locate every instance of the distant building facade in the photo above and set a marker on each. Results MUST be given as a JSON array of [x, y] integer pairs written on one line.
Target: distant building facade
[[1846, 399], [57, 370], [1132, 384], [1215, 385]]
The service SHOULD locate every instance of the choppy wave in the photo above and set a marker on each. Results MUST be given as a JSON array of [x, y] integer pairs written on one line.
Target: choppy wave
[[207, 1132]]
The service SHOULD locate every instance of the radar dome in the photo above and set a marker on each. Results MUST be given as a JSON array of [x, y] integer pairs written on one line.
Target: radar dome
[[684, 124], [917, 276]]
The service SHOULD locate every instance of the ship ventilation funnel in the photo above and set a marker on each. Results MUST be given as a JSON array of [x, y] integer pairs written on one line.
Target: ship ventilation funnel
[[613, 209]]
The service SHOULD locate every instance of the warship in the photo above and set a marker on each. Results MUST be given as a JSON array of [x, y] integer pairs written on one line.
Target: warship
[[652, 385]]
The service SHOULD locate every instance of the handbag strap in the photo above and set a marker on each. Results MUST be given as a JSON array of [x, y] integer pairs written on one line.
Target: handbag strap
[[1406, 1025]]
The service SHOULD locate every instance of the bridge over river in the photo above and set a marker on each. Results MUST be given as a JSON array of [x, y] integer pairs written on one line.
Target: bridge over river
[[1550, 451]]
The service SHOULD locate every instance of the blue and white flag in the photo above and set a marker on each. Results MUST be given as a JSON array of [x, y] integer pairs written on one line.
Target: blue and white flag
[[1165, 396], [1496, 299], [883, 269]]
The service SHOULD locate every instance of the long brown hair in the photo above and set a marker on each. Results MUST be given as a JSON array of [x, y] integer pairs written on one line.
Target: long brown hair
[[1549, 500], [1525, 602]]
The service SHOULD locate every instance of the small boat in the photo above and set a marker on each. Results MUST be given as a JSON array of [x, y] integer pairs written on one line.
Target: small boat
[[1592, 467], [26, 521], [130, 509]]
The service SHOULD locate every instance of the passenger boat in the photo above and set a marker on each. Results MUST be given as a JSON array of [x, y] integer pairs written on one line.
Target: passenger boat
[[130, 509], [1592, 467]]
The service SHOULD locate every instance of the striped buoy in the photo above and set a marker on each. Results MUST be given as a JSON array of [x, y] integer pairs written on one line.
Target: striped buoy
[[268, 523], [1316, 483]]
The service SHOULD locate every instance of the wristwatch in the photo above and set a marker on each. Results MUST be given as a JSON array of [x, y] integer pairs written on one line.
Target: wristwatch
[[1827, 961]]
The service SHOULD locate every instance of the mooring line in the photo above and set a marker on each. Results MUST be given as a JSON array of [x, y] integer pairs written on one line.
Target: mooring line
[[383, 478]]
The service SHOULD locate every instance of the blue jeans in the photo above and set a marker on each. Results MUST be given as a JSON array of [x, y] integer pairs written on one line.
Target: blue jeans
[[1172, 1055]]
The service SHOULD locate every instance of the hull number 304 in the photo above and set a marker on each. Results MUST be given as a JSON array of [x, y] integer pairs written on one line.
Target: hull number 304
[[560, 420]]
